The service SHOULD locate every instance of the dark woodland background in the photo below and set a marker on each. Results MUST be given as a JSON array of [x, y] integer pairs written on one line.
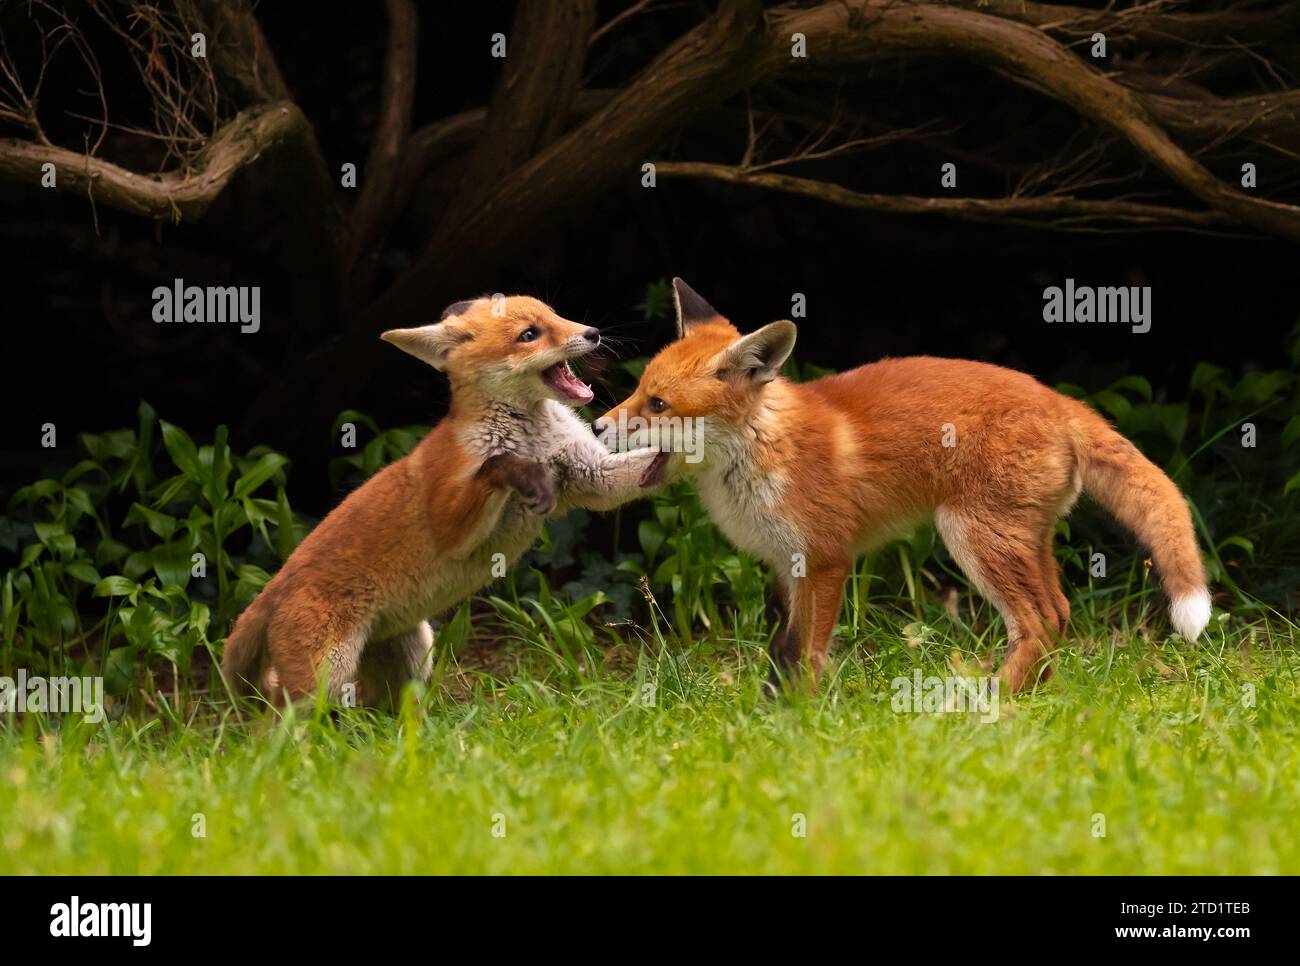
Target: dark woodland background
[[80, 348]]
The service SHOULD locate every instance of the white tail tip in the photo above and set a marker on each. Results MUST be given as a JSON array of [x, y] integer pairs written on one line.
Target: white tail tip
[[1190, 613]]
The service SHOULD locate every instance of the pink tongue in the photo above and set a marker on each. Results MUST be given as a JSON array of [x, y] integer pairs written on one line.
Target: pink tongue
[[561, 379]]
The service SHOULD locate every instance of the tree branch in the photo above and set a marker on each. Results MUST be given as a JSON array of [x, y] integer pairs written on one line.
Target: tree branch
[[1149, 24], [1271, 119], [435, 143], [703, 68], [373, 212], [1033, 58], [1061, 212], [539, 80], [238, 49], [177, 196]]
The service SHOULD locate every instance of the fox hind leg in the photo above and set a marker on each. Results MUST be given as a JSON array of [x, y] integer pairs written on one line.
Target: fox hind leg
[[1051, 581], [1006, 561], [305, 648], [389, 664]]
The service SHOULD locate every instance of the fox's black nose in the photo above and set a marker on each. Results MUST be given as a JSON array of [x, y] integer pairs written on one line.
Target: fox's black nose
[[592, 335]]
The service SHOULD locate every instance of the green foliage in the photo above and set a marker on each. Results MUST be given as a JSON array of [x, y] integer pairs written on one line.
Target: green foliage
[[691, 564], [140, 554], [139, 550], [384, 447], [658, 304]]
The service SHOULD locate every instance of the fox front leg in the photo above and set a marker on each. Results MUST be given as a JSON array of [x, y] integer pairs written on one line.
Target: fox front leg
[[478, 510], [529, 478], [595, 479]]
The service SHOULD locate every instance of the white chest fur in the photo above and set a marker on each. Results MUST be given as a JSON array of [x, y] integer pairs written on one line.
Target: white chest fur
[[747, 505]]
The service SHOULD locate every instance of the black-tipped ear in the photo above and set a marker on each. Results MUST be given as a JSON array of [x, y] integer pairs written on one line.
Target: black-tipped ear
[[455, 308], [691, 307]]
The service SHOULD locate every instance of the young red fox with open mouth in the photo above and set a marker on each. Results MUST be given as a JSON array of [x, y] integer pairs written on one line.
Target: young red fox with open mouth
[[808, 476], [351, 603]]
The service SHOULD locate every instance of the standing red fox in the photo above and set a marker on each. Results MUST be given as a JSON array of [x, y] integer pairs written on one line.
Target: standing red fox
[[351, 603], [808, 476]]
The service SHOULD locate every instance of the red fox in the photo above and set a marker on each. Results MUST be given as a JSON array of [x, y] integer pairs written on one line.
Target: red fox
[[351, 603], [808, 476]]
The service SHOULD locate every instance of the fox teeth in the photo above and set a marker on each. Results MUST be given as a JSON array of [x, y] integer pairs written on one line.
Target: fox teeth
[[569, 369]]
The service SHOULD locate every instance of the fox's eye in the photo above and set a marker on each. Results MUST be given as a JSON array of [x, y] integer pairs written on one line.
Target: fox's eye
[[657, 405], [529, 334]]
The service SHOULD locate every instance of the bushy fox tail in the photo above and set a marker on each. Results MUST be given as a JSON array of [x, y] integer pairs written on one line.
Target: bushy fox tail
[[1149, 504], [246, 645]]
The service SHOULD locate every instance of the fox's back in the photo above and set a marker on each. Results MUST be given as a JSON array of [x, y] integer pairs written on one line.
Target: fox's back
[[874, 450], [926, 386]]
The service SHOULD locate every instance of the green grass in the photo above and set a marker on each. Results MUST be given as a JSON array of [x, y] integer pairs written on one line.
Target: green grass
[[1159, 737]]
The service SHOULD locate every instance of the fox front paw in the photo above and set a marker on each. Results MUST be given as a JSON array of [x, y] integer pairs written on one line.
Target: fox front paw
[[536, 490], [530, 479]]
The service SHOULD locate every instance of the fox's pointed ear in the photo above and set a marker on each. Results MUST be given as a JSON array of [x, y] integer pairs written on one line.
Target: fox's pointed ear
[[760, 355], [428, 343], [691, 307]]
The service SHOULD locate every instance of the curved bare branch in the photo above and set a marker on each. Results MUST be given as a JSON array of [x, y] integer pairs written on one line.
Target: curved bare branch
[[1054, 211], [176, 196], [1034, 58]]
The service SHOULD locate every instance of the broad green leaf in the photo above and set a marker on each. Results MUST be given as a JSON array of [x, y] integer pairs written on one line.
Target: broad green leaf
[[47, 530], [110, 550], [1113, 403], [83, 571], [651, 535], [80, 500], [172, 565], [161, 524], [115, 586], [1259, 387], [1135, 384], [257, 474], [354, 417], [80, 470], [182, 451], [1238, 541], [1207, 379]]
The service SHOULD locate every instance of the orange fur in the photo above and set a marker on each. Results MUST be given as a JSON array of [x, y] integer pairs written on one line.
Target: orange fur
[[831, 468], [350, 603]]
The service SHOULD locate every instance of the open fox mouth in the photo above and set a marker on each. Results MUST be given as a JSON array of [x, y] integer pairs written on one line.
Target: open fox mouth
[[653, 474], [561, 378]]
